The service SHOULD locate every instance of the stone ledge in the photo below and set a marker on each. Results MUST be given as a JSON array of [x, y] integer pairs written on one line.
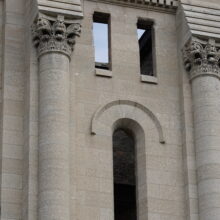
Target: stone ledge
[[149, 79], [105, 73]]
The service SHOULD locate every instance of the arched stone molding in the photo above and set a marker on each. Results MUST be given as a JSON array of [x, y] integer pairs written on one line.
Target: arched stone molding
[[106, 116]]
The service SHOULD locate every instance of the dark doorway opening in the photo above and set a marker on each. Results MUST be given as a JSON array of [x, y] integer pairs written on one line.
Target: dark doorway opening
[[124, 176]]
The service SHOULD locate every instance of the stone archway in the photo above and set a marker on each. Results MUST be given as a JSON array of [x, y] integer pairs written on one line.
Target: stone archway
[[105, 117], [144, 125]]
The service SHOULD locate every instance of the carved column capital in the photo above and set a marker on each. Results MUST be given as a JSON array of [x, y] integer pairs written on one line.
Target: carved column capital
[[201, 58], [55, 36]]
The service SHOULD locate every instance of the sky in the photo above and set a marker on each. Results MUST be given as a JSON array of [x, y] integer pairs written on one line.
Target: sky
[[100, 36]]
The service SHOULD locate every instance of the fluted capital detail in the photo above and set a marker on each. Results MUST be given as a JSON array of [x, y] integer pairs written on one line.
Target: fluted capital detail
[[55, 36], [201, 59]]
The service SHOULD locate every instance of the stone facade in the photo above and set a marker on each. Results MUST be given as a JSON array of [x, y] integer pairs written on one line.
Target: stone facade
[[58, 112]]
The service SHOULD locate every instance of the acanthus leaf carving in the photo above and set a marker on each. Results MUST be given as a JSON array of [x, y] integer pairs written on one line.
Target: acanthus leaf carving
[[55, 36], [200, 59]]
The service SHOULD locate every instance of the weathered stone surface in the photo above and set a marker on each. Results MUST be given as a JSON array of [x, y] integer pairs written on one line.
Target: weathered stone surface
[[202, 62], [69, 8], [58, 114], [55, 36], [200, 25]]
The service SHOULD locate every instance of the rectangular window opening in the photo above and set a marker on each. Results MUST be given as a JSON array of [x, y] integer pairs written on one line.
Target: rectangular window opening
[[101, 36], [145, 34]]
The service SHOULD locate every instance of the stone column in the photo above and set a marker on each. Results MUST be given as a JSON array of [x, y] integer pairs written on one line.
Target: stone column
[[55, 42], [202, 62]]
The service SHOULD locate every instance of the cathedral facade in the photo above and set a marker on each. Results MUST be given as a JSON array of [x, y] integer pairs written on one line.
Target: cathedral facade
[[110, 109]]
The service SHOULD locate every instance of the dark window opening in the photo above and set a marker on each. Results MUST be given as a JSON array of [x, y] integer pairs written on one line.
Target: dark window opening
[[101, 30], [124, 176], [145, 41]]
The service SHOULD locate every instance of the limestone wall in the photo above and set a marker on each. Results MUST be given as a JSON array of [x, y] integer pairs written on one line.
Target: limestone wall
[[91, 157], [12, 109], [1, 47], [156, 109], [30, 181]]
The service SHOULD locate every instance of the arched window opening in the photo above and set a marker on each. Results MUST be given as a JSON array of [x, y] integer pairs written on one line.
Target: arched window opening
[[124, 162]]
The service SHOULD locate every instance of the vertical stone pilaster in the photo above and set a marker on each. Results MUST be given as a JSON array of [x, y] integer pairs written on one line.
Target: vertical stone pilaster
[[202, 62], [55, 42]]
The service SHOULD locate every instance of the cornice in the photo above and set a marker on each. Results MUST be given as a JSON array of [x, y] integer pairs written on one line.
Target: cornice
[[166, 6], [71, 9], [202, 18]]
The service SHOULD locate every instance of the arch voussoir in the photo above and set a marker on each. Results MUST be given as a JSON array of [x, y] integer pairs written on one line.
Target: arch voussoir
[[108, 114]]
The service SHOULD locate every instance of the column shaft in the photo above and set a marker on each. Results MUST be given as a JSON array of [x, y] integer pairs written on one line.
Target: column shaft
[[202, 61], [54, 137], [206, 108]]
